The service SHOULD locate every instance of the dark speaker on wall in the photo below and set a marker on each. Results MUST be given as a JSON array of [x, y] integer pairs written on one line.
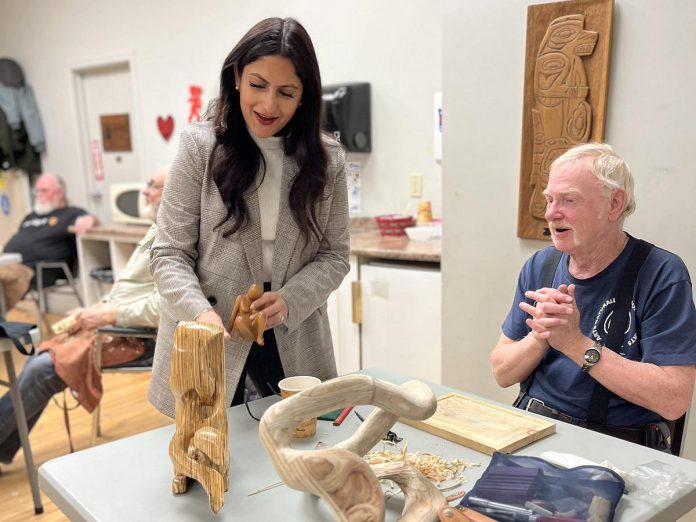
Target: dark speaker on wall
[[347, 115]]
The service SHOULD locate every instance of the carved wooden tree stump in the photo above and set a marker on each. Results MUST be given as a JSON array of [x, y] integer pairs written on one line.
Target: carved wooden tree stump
[[340, 475], [240, 319], [199, 448]]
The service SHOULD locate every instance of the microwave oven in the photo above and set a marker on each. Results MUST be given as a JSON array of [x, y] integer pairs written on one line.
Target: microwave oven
[[128, 204]]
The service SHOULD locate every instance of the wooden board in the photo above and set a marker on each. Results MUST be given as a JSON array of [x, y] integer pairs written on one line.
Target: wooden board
[[565, 94], [482, 426]]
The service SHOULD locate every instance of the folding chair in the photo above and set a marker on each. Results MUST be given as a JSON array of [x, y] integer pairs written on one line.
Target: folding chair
[[6, 348], [140, 333], [59, 287]]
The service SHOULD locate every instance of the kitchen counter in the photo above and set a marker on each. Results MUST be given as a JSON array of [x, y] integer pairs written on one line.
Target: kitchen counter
[[366, 241], [372, 244]]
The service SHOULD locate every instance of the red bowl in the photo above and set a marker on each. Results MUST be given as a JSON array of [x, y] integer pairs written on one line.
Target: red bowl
[[394, 224]]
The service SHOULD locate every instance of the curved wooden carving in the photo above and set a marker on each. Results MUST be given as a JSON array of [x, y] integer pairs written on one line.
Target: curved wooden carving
[[561, 116], [240, 319], [199, 448], [339, 474]]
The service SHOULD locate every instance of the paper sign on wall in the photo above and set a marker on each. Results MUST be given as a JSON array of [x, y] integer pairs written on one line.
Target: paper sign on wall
[[97, 163], [354, 186], [196, 103], [5, 204]]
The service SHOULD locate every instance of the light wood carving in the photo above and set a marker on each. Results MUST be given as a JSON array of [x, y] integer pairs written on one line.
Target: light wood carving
[[339, 474], [567, 66], [240, 319], [199, 448], [561, 115]]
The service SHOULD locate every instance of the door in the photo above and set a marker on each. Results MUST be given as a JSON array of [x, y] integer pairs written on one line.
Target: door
[[106, 112]]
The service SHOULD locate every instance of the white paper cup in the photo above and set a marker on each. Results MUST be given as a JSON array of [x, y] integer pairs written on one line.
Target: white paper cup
[[292, 385]]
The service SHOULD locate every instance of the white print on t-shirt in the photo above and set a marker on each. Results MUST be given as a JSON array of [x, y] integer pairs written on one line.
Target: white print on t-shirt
[[603, 322], [36, 222]]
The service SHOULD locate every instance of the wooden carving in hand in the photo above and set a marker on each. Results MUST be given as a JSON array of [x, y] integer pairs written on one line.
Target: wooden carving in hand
[[199, 448], [340, 475], [240, 319]]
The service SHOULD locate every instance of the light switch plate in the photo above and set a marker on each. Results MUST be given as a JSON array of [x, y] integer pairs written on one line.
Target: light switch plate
[[416, 185]]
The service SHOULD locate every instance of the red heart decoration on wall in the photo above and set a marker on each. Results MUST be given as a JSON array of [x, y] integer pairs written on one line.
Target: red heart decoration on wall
[[165, 126]]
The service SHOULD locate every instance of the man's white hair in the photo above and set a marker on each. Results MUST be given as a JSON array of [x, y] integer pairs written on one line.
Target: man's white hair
[[607, 166]]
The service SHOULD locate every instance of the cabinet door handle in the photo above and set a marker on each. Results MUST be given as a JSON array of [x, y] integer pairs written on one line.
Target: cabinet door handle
[[356, 302]]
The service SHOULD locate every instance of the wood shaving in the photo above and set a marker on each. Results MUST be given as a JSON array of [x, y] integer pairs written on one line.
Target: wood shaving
[[434, 467]]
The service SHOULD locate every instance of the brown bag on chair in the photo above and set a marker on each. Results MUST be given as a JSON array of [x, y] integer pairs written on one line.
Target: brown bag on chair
[[117, 350], [73, 357], [15, 280]]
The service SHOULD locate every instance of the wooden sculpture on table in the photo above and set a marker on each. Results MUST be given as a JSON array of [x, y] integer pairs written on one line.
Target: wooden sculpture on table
[[241, 322], [339, 474], [199, 448]]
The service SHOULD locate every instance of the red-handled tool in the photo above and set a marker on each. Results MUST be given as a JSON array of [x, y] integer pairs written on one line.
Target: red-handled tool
[[342, 416]]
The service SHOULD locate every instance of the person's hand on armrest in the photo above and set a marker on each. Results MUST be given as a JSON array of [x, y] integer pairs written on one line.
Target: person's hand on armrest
[[85, 224]]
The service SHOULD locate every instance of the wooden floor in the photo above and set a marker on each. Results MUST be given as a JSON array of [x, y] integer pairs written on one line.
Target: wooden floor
[[125, 412]]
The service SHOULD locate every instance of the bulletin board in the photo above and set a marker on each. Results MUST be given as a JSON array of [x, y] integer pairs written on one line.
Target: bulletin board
[[116, 135]]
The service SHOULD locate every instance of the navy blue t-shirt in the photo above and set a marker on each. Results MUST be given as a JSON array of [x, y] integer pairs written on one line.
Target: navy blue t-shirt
[[661, 328]]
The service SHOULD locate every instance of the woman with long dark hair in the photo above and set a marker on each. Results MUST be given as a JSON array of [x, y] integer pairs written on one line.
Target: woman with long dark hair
[[257, 194]]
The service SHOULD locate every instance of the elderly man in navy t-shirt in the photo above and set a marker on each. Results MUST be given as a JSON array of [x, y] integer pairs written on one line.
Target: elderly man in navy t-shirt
[[554, 340]]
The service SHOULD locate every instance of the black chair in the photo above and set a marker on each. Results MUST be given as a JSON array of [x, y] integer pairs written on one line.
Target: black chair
[[677, 430], [140, 333]]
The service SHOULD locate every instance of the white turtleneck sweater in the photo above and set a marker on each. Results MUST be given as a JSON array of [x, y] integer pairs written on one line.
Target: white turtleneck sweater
[[269, 197]]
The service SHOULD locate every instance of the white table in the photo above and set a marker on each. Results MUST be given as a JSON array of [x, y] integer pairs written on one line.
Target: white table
[[130, 479], [6, 347]]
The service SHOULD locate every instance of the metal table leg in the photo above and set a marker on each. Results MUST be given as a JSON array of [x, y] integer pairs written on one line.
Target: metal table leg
[[3, 305], [23, 430]]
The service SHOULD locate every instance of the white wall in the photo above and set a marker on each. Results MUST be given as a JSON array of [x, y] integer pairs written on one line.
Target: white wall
[[651, 121], [172, 44]]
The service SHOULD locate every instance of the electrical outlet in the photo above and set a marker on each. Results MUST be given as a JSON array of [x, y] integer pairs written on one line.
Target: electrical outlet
[[416, 185]]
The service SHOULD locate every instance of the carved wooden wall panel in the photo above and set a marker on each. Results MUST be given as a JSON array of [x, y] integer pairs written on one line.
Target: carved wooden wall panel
[[565, 92]]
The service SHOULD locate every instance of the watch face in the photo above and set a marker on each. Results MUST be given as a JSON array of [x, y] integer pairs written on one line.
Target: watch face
[[592, 355]]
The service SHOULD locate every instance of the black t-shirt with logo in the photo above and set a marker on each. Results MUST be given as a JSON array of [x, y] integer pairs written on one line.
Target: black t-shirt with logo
[[45, 237]]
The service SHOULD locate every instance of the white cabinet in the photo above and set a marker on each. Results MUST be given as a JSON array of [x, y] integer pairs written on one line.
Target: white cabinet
[[345, 333], [401, 319]]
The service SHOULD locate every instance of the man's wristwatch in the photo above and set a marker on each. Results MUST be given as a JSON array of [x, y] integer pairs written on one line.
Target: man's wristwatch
[[592, 356]]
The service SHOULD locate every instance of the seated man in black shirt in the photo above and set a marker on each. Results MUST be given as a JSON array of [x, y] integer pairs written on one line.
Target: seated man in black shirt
[[43, 234]]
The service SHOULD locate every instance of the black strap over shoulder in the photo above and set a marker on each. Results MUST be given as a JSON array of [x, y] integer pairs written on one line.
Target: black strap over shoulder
[[19, 333], [597, 410], [548, 272]]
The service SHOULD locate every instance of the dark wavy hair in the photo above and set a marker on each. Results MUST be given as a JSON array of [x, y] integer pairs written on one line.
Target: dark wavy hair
[[235, 159]]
